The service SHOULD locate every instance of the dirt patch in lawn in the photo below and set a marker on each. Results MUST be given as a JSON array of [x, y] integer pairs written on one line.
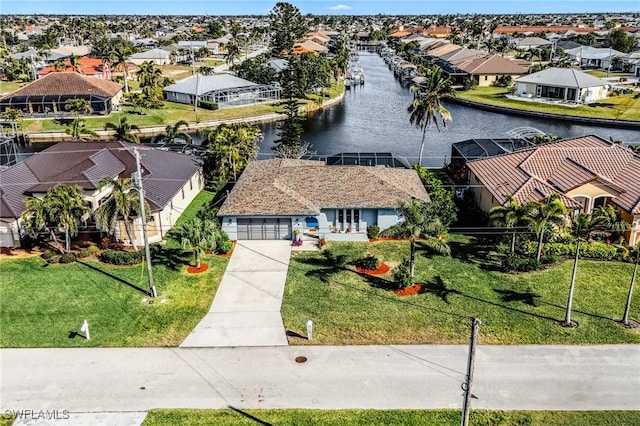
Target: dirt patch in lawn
[[382, 269], [409, 291], [193, 270]]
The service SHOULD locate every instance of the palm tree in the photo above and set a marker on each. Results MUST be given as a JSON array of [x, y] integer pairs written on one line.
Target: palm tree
[[510, 215], [427, 107], [63, 207], [233, 53], [122, 204], [607, 222], [231, 147], [124, 130], [78, 106], [79, 130], [636, 255], [74, 64], [544, 216], [171, 133], [197, 235], [419, 221], [119, 57]]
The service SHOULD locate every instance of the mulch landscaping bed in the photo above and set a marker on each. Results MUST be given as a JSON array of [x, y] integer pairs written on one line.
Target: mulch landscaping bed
[[193, 270], [409, 291], [383, 269]]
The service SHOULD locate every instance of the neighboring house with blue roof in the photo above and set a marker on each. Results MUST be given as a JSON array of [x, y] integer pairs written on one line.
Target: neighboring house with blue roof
[[171, 181]]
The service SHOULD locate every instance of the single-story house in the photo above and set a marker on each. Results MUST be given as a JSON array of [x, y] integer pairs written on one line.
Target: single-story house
[[565, 84], [486, 69], [272, 198], [528, 43], [586, 172], [225, 89], [157, 56], [593, 57], [171, 181], [309, 46], [48, 94]]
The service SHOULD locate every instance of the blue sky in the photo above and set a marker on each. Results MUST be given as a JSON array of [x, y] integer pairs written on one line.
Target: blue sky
[[316, 7]]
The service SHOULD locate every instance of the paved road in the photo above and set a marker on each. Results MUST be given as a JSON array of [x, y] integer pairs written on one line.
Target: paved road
[[418, 377], [246, 308]]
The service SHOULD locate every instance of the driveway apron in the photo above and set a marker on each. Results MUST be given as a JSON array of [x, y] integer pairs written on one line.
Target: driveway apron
[[246, 308]]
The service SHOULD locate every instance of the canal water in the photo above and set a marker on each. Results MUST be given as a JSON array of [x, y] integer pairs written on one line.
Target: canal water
[[373, 118]]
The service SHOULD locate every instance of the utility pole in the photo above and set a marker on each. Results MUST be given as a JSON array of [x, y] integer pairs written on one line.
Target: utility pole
[[567, 318], [137, 178], [466, 386]]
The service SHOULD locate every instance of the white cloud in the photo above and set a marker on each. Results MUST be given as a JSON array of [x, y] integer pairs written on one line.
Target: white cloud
[[340, 7]]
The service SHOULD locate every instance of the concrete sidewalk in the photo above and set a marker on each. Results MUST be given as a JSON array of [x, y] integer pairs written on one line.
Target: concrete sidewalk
[[246, 308], [367, 377]]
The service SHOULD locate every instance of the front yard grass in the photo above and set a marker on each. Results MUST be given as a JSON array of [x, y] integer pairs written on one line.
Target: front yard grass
[[43, 305], [348, 308], [237, 417], [623, 107]]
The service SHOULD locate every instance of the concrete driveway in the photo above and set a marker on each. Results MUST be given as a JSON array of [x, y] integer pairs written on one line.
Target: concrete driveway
[[246, 308]]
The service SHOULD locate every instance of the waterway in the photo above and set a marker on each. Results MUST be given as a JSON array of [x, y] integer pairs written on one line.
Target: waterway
[[373, 118]]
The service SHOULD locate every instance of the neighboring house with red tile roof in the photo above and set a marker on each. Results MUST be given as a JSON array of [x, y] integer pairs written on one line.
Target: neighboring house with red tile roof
[[274, 197], [309, 46], [542, 29], [587, 172], [171, 181], [49, 94]]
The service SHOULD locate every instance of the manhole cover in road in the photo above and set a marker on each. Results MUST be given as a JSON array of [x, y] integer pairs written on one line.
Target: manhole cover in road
[[301, 359]]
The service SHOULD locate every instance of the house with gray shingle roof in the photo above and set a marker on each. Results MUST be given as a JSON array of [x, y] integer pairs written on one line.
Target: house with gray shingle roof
[[226, 90], [562, 84], [274, 197], [587, 172], [171, 181]]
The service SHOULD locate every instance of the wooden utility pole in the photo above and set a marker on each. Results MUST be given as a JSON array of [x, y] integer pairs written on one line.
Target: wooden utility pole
[[466, 386]]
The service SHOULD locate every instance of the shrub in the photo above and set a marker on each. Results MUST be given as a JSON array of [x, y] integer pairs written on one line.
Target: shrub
[[54, 259], [595, 250], [68, 258], [402, 274], [373, 232], [225, 247], [89, 251], [514, 263], [48, 254], [369, 262], [208, 105], [118, 257]]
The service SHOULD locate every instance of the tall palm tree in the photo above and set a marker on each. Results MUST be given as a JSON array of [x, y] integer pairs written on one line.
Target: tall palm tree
[[510, 215], [427, 107], [119, 56], [636, 255], [122, 204], [233, 53], [544, 216], [197, 235], [62, 207], [171, 133], [607, 222], [79, 130], [231, 147], [124, 130]]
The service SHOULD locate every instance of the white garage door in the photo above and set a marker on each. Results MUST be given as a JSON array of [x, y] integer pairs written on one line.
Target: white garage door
[[264, 229]]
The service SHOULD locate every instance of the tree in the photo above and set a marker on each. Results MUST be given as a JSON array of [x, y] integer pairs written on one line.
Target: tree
[[618, 39], [121, 204], [607, 223], [119, 56], [511, 215], [286, 27], [78, 106], [636, 256], [427, 107], [544, 216], [232, 54], [419, 220], [124, 131], [172, 133], [63, 207], [230, 148], [289, 131], [79, 130], [197, 235], [151, 83]]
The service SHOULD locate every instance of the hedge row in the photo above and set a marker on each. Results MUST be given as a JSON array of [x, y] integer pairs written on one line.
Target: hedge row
[[594, 250]]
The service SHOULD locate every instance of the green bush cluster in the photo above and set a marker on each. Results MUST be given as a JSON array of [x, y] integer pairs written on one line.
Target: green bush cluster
[[48, 254], [67, 258], [402, 274], [373, 232], [88, 252], [369, 262], [223, 245], [512, 262], [208, 105], [595, 250], [117, 257]]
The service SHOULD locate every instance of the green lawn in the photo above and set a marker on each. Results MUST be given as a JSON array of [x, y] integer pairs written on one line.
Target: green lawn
[[237, 417], [41, 305], [624, 107], [11, 86], [348, 308], [603, 74]]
